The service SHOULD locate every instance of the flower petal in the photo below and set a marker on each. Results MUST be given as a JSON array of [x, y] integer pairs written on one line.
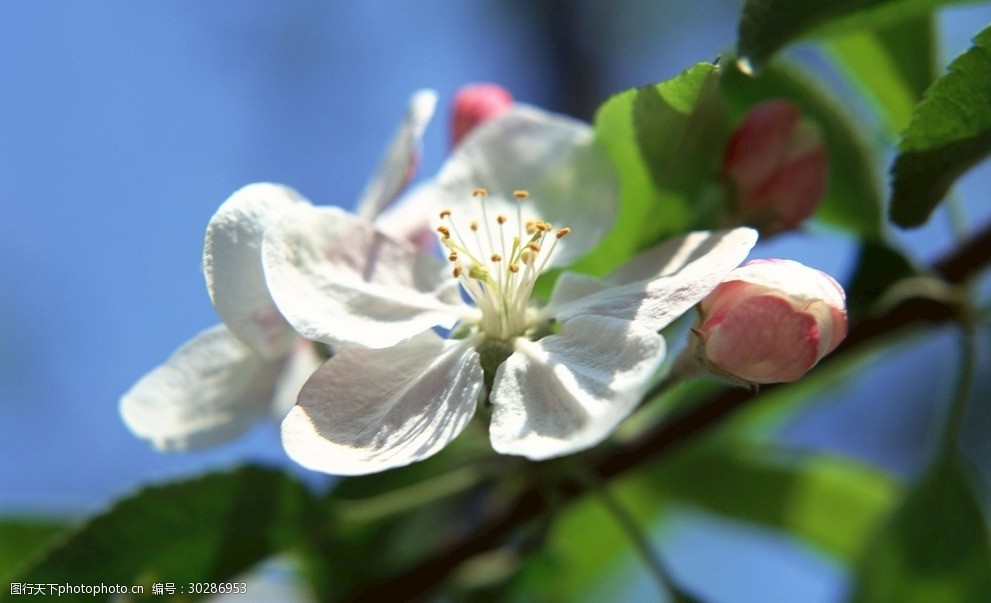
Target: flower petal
[[303, 361], [674, 277], [565, 393], [233, 268], [337, 279], [209, 391], [366, 411], [570, 180], [400, 158]]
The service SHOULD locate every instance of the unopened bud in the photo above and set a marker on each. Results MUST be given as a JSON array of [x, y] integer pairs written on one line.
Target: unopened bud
[[777, 166], [475, 104], [770, 321]]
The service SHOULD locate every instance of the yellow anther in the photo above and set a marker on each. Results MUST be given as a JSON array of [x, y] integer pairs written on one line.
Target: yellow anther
[[563, 232], [478, 272], [520, 195], [526, 256], [457, 271], [533, 246], [531, 226], [445, 213], [453, 257], [514, 268], [501, 219], [479, 192], [495, 257], [473, 225], [444, 231]]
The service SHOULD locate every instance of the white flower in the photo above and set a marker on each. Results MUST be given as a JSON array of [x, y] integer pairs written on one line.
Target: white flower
[[559, 377], [252, 366]]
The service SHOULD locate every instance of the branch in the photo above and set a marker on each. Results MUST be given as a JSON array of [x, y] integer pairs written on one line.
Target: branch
[[491, 531]]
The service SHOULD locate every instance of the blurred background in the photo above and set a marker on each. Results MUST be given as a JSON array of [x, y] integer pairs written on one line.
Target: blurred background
[[124, 125]]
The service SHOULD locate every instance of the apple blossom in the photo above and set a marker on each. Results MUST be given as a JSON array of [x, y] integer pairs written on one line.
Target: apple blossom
[[778, 168], [558, 377], [228, 377], [770, 321], [475, 104]]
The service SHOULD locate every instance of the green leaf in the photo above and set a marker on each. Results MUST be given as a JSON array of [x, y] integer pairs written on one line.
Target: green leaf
[[879, 266], [949, 133], [935, 549], [661, 140], [892, 65], [830, 503], [853, 199], [766, 26], [208, 529], [22, 538]]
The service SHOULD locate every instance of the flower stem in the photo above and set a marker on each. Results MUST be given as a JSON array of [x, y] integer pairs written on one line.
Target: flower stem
[[652, 559], [961, 393]]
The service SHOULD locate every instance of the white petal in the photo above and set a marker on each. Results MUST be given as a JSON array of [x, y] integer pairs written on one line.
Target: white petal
[[337, 279], [302, 362], [209, 391], [680, 273], [400, 158], [233, 267], [366, 411], [413, 218], [567, 392], [555, 158]]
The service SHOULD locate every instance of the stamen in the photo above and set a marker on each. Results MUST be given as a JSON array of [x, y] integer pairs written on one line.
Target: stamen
[[498, 269]]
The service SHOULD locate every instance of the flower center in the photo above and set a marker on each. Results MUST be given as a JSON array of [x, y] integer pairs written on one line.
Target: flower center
[[498, 262]]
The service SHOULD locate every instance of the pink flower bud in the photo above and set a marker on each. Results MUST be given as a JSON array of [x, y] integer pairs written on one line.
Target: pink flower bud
[[778, 166], [770, 321], [474, 104]]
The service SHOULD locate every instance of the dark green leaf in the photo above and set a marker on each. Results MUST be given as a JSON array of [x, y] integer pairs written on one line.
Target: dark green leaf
[[22, 538], [208, 529], [935, 549], [852, 201], [878, 267], [768, 25], [949, 133], [892, 64]]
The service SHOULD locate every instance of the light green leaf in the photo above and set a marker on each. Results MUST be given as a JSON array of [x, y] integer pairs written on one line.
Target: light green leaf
[[827, 502], [831, 503], [207, 529], [892, 65], [22, 538], [661, 140], [768, 25], [936, 547], [853, 200], [949, 133]]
